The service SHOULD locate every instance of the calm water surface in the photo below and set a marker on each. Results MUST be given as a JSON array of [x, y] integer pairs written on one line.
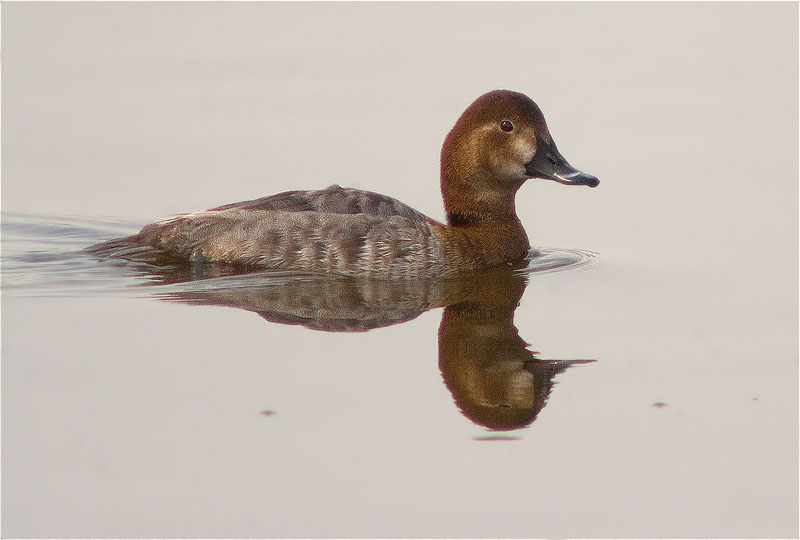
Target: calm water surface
[[638, 379], [134, 388]]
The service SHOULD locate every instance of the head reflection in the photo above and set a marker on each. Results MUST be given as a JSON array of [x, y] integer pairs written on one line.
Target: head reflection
[[495, 380]]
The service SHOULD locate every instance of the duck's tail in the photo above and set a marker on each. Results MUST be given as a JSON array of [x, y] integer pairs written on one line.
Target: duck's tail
[[131, 248]]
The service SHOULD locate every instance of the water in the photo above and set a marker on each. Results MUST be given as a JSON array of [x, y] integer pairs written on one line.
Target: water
[[496, 381], [638, 379]]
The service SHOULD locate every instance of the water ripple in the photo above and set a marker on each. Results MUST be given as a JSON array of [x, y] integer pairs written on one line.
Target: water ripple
[[544, 260]]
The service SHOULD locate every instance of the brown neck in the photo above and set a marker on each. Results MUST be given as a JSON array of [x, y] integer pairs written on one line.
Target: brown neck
[[478, 200], [483, 231]]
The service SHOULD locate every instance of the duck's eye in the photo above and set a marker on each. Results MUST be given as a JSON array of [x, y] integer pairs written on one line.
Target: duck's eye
[[506, 126]]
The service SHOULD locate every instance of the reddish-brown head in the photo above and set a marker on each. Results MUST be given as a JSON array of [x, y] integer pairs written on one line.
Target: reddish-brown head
[[500, 141]]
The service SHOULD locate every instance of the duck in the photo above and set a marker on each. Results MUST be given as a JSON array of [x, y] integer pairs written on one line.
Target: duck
[[498, 143]]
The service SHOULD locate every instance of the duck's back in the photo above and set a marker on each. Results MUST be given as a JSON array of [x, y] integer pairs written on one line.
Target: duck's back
[[339, 230], [331, 200]]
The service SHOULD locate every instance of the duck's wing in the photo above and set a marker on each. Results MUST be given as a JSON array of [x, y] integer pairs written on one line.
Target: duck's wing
[[339, 230], [307, 241], [332, 200]]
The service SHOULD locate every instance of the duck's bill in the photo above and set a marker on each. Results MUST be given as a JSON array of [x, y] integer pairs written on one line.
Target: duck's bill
[[548, 163]]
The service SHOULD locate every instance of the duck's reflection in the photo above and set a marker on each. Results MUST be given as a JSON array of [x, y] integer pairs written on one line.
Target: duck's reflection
[[495, 379]]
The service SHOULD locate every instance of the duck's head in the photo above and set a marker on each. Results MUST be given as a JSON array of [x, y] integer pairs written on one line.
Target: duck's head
[[500, 141]]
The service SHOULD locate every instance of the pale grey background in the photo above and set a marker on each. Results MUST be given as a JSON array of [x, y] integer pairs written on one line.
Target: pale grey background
[[127, 417]]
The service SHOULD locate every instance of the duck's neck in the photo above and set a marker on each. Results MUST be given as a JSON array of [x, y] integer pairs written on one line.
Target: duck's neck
[[484, 219], [469, 212], [475, 199]]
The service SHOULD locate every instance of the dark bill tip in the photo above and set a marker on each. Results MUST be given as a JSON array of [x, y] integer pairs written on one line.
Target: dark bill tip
[[576, 178]]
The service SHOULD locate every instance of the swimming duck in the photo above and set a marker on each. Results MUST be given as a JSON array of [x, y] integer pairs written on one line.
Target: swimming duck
[[500, 141]]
